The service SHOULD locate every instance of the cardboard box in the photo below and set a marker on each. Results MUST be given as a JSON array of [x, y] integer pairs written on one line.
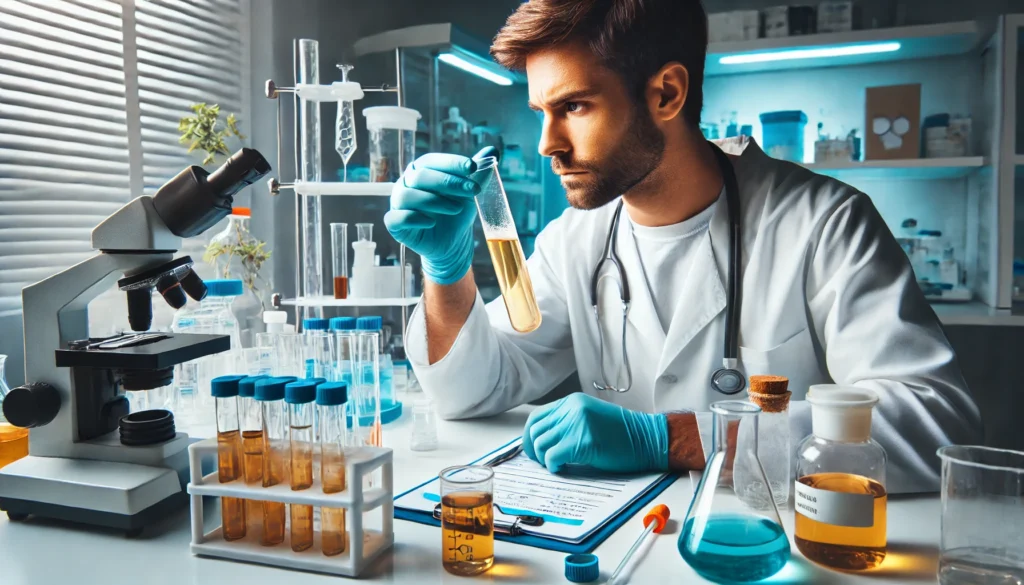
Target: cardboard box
[[893, 122], [787, 21], [835, 16], [738, 25]]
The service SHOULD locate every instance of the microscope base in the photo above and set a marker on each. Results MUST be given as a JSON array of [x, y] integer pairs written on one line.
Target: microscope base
[[103, 493]]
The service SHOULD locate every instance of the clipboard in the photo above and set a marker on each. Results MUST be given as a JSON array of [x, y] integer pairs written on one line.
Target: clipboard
[[586, 545]]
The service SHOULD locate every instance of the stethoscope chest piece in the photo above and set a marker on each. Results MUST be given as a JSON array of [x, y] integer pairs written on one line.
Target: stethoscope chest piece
[[728, 381]]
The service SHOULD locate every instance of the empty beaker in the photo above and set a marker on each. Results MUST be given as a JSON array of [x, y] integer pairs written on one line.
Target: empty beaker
[[392, 141], [982, 516], [723, 538], [506, 251], [339, 252]]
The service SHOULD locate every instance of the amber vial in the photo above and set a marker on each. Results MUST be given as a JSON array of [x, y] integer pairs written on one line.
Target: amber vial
[[839, 495], [229, 453], [276, 454], [300, 396]]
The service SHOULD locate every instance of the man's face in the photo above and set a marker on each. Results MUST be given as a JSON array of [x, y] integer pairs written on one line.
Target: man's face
[[600, 141]]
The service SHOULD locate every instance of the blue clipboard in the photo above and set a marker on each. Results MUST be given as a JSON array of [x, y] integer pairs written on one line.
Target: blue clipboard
[[584, 546]]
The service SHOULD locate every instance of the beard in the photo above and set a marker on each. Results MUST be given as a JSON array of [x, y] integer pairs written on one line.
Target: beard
[[631, 161]]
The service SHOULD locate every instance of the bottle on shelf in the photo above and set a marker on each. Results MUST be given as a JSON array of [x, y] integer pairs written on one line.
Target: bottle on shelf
[[362, 284]]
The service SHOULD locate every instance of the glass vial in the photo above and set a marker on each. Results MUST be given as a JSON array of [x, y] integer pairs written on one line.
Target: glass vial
[[229, 453], [250, 420], [839, 494], [316, 348], [339, 252], [330, 401], [424, 426], [723, 538], [299, 396], [343, 330], [366, 427], [505, 249], [276, 453], [771, 393]]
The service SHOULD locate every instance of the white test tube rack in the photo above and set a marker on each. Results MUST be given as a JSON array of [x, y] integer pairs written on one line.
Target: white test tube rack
[[364, 546]]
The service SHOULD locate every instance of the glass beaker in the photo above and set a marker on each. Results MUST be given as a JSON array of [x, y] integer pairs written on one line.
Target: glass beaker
[[982, 516], [339, 251], [723, 538], [392, 132], [506, 251], [467, 519], [13, 440]]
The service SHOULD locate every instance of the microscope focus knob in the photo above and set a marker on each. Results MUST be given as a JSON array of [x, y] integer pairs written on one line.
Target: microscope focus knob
[[32, 405]]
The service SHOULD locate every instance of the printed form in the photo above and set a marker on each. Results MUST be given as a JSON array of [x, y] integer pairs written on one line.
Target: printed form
[[572, 505]]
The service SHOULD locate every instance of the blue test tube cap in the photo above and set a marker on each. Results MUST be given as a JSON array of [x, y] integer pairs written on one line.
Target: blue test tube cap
[[315, 324], [343, 323], [225, 386], [269, 389], [247, 386], [225, 287], [332, 394], [300, 391], [369, 323], [582, 568]]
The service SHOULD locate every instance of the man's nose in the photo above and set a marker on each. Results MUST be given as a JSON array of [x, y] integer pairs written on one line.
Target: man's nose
[[553, 141]]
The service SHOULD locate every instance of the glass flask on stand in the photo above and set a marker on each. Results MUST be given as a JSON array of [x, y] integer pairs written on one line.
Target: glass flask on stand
[[723, 537]]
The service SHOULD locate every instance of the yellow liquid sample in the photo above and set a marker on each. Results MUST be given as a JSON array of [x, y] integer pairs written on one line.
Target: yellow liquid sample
[[13, 443], [229, 468], [516, 287], [252, 455], [275, 471], [302, 478], [467, 532], [332, 477], [844, 547]]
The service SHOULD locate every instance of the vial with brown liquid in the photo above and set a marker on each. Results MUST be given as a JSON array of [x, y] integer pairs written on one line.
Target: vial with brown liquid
[[467, 519], [276, 454], [300, 396], [250, 420], [330, 401], [339, 251], [229, 453], [839, 495]]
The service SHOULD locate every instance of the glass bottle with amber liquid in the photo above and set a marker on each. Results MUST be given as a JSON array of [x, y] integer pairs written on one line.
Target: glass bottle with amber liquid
[[839, 494]]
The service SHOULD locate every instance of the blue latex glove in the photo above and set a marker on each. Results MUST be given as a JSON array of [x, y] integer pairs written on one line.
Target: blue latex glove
[[432, 212], [583, 430]]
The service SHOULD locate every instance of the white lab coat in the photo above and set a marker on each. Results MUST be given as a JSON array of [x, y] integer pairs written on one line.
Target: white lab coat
[[827, 296]]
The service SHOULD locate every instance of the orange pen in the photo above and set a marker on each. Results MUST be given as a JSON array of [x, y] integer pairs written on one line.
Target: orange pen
[[654, 523]]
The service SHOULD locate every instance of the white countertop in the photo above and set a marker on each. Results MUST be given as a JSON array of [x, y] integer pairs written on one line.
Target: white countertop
[[41, 552]]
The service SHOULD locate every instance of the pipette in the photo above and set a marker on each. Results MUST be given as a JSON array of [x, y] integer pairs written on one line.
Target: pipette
[[654, 522]]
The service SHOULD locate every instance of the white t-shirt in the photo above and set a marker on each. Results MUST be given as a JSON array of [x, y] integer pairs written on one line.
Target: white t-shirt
[[667, 253]]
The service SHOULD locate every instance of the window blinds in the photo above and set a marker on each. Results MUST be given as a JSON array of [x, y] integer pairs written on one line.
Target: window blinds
[[69, 153]]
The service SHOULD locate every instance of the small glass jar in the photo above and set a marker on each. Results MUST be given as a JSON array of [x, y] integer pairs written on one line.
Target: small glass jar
[[839, 494], [392, 141]]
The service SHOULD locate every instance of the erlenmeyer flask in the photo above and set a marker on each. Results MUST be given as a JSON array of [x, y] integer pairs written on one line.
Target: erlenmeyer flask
[[723, 538]]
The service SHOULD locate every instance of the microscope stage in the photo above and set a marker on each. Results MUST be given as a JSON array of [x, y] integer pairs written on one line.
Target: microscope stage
[[165, 353]]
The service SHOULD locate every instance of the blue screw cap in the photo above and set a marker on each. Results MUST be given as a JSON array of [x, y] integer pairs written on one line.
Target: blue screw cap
[[315, 324], [247, 386], [225, 386], [343, 323], [582, 568], [332, 394], [269, 389], [300, 391], [369, 323], [231, 287]]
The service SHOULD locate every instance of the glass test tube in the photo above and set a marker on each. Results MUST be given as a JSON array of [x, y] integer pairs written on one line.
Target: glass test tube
[[229, 453], [506, 251], [366, 427], [467, 519], [339, 251], [250, 420], [270, 394], [330, 400], [300, 396], [307, 56]]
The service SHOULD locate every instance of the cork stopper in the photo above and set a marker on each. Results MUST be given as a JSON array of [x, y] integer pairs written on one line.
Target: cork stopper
[[771, 393]]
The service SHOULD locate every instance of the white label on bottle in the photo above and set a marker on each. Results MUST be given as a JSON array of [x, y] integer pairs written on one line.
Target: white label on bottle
[[836, 508]]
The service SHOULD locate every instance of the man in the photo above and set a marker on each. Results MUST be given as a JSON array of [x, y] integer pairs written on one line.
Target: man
[[827, 294]]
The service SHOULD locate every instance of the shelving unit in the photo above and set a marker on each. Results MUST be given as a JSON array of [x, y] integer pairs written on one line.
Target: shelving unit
[[338, 188], [918, 168], [916, 42], [325, 301], [976, 313]]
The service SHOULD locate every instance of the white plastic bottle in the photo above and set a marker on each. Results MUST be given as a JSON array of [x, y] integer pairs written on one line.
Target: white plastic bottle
[[363, 280]]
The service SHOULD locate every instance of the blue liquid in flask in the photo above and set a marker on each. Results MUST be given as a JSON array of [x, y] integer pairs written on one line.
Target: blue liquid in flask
[[735, 547]]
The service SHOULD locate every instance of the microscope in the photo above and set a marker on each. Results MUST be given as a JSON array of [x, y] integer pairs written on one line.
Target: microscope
[[90, 460]]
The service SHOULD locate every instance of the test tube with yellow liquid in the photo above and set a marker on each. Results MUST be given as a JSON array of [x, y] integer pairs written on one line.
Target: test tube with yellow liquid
[[503, 244]]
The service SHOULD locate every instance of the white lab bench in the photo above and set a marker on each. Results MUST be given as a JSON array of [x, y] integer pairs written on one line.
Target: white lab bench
[[40, 552]]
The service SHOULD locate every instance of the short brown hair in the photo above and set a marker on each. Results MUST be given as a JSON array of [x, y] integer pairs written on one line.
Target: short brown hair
[[634, 38]]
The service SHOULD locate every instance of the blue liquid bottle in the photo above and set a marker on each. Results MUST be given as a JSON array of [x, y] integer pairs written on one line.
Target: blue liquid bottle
[[724, 539]]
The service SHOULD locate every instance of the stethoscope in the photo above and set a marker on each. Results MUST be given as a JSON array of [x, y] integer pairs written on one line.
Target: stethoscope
[[728, 379]]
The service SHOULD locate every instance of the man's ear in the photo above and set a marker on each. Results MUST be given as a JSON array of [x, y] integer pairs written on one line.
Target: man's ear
[[667, 91]]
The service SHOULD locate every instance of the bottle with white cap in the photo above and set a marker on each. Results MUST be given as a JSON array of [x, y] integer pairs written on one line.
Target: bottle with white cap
[[839, 494]]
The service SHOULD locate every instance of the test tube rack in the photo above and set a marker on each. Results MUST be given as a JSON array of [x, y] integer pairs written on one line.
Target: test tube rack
[[364, 545]]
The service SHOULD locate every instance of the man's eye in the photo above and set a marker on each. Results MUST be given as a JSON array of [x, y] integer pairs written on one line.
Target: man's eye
[[573, 107]]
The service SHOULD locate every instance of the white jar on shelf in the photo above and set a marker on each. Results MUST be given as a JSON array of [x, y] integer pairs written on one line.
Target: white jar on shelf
[[392, 141]]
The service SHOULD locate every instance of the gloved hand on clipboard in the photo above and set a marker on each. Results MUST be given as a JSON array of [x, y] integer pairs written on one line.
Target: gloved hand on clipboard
[[583, 430]]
